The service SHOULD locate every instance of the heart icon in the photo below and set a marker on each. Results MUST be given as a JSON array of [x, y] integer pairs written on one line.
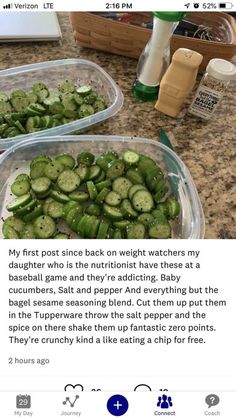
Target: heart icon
[[70, 387]]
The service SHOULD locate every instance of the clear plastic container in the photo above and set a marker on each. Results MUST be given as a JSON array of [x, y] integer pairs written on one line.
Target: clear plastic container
[[190, 224], [50, 72]]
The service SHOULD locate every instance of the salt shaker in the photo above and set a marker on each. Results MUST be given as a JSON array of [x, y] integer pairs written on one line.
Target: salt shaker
[[212, 87]]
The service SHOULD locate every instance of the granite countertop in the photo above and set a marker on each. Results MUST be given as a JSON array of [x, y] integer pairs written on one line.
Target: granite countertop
[[208, 149]]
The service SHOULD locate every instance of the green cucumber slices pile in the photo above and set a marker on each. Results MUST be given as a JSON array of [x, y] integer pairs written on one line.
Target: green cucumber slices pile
[[110, 197], [27, 112]]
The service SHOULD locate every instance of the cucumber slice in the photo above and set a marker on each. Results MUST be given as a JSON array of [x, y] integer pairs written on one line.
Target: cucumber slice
[[46, 205], [103, 184], [145, 164], [3, 97], [28, 232], [113, 199], [131, 158], [55, 209], [53, 169], [101, 177], [37, 211], [94, 172], [10, 233], [59, 197], [117, 234], [67, 160], [78, 99], [90, 98], [35, 109], [101, 196], [121, 225], [92, 190], [69, 206], [115, 169], [79, 196], [173, 207], [83, 172], [134, 189], [121, 185], [102, 230], [66, 87], [84, 90], [20, 127], [41, 185], [19, 103], [99, 106], [61, 236], [85, 158], [20, 187], [13, 222], [93, 209], [26, 209], [145, 219], [135, 231], [163, 207], [41, 158], [44, 227], [55, 107], [82, 224], [142, 201], [128, 210], [68, 181], [159, 230], [134, 176], [112, 212], [22, 176], [103, 163], [19, 202], [5, 107], [92, 228], [38, 169]]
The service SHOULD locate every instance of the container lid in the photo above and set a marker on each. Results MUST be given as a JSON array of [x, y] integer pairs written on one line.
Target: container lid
[[221, 69], [170, 16]]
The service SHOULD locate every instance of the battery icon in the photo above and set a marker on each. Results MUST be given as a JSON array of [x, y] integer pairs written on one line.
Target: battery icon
[[227, 5]]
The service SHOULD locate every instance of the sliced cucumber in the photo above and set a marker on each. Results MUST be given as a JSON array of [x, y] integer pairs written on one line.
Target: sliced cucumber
[[142, 201], [113, 199], [121, 185], [115, 169], [20, 187], [41, 185], [112, 212], [135, 231], [66, 160], [19, 202], [68, 181], [44, 227], [92, 190], [131, 158]]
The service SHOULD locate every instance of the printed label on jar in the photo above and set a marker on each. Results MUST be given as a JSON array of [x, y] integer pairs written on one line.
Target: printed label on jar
[[205, 102]]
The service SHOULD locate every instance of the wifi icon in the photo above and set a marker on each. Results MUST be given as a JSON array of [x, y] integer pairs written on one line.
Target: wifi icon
[[8, 6]]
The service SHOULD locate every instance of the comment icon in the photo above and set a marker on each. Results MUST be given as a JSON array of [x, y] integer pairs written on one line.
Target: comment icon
[[212, 400]]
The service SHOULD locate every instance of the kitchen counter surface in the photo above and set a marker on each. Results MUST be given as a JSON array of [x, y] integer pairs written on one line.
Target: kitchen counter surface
[[208, 149]]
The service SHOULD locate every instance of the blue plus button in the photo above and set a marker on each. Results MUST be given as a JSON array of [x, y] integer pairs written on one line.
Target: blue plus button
[[117, 405]]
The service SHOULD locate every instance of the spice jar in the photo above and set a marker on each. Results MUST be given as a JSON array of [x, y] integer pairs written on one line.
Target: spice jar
[[212, 88]]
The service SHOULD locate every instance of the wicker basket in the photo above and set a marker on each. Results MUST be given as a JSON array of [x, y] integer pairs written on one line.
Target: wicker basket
[[93, 31]]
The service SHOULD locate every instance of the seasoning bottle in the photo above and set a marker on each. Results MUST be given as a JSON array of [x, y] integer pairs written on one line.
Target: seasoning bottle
[[178, 81], [212, 88], [155, 57]]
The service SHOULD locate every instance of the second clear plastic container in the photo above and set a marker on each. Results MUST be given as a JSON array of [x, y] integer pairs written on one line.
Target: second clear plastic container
[[190, 224], [51, 72]]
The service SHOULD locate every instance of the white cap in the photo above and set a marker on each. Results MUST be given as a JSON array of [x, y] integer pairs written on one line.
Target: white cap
[[221, 69]]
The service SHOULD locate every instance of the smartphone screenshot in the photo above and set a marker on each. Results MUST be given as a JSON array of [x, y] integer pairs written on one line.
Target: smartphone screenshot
[[118, 209]]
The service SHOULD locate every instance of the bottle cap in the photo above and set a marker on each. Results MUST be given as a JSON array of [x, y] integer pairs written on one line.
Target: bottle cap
[[170, 16], [221, 69]]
